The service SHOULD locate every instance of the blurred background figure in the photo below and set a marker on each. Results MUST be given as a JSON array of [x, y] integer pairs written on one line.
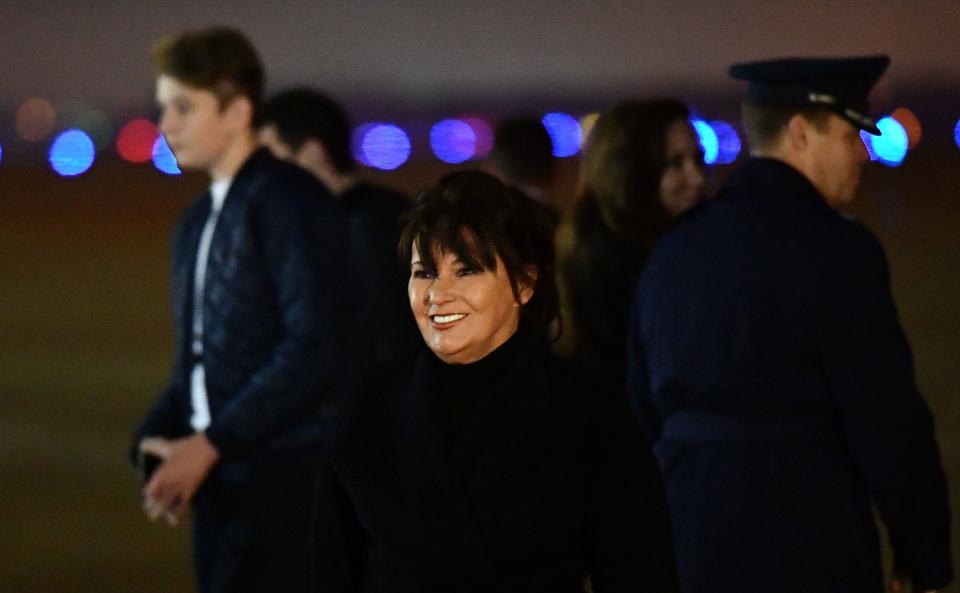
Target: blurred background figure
[[642, 168], [522, 156], [312, 130], [481, 462]]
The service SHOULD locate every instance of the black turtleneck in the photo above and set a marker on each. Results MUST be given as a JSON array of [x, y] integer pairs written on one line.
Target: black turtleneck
[[455, 388]]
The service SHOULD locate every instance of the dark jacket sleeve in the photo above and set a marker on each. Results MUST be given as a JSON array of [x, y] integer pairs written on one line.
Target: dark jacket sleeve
[[163, 419], [304, 251], [631, 539], [886, 422], [166, 416]]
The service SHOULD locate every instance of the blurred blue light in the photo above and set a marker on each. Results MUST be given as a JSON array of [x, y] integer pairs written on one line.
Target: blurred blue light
[[891, 146], [565, 133], [356, 142], [867, 139], [708, 140], [163, 158], [453, 141], [956, 133], [382, 146], [71, 153], [1, 153], [728, 142]]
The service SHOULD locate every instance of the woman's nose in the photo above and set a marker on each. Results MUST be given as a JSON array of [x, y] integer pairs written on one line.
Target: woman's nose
[[440, 291]]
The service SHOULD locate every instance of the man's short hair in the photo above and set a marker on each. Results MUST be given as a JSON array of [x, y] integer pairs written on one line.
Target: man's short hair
[[216, 59], [764, 123], [303, 114], [523, 150]]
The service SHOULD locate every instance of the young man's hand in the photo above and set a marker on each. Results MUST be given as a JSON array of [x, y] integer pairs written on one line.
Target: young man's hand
[[187, 462]]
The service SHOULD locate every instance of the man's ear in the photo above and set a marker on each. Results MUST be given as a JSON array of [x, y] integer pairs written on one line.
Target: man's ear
[[239, 112], [798, 130], [311, 152], [526, 285]]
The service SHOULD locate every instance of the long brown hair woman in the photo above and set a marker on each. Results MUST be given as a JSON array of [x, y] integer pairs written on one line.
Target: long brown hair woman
[[642, 168]]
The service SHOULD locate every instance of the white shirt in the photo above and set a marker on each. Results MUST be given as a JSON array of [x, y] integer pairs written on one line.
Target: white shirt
[[200, 419]]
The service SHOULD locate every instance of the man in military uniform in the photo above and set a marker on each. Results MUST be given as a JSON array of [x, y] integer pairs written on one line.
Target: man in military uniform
[[770, 370]]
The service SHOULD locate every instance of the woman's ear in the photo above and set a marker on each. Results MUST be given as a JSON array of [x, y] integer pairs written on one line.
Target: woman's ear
[[527, 283]]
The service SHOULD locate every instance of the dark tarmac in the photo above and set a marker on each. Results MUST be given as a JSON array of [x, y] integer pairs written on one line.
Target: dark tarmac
[[85, 343]]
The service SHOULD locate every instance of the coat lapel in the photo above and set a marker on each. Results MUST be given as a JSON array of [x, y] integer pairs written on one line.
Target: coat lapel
[[185, 262], [247, 183]]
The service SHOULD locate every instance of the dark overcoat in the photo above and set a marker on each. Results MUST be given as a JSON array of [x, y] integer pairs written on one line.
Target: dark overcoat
[[768, 365], [279, 345], [374, 223], [529, 485]]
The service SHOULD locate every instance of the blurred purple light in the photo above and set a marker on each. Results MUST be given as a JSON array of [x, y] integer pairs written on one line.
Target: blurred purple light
[[728, 142], [565, 133], [484, 135], [381, 146], [891, 145], [707, 139], [867, 140], [71, 153], [163, 158], [453, 141]]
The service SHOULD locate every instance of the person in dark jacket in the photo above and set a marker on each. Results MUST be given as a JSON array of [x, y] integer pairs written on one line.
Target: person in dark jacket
[[481, 462], [642, 168], [522, 156], [264, 347], [770, 370], [312, 130]]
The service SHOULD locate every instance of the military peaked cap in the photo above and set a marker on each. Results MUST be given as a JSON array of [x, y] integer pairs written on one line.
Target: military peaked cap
[[840, 85]]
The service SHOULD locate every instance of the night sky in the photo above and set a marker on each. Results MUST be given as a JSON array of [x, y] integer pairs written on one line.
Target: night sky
[[421, 53]]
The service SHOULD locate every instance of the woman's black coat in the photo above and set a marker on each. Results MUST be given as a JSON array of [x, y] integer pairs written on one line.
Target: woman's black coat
[[509, 474]]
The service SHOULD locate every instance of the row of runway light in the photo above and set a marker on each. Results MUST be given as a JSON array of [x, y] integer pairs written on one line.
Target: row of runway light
[[387, 146], [379, 145]]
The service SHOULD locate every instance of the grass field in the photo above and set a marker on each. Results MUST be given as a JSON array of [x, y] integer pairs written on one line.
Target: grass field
[[85, 344]]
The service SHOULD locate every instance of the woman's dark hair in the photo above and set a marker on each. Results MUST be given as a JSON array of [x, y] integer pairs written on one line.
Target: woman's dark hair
[[622, 165], [477, 217]]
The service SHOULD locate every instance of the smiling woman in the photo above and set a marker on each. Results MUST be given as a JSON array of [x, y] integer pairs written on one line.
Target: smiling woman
[[463, 312], [479, 255], [480, 462]]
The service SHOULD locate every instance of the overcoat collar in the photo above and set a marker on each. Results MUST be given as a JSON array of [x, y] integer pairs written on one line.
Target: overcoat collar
[[248, 181], [770, 179]]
